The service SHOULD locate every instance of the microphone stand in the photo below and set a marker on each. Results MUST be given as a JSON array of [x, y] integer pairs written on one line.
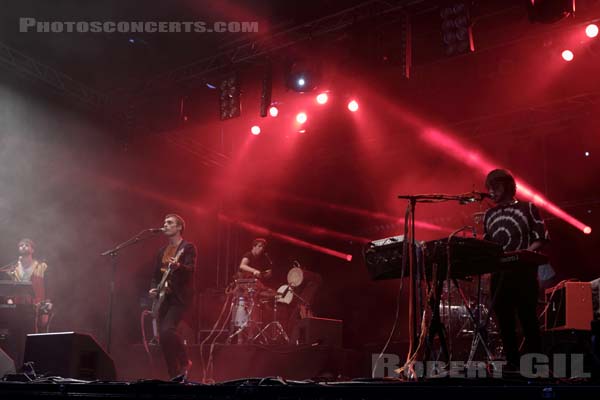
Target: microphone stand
[[409, 254], [113, 253]]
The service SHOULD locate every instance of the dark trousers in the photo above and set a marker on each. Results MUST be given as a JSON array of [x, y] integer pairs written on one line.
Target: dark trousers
[[516, 297], [170, 342]]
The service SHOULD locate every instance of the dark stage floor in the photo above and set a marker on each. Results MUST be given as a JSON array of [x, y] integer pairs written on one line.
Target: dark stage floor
[[279, 372], [266, 388], [230, 362]]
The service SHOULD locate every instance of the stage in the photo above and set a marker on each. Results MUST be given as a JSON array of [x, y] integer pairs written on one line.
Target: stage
[[248, 371], [272, 388], [299, 199]]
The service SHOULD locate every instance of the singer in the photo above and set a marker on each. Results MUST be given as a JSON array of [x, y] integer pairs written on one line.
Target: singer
[[515, 225], [29, 269], [178, 256], [255, 262], [37, 310]]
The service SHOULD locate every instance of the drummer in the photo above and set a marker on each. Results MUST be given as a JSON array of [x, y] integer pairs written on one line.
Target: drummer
[[256, 262]]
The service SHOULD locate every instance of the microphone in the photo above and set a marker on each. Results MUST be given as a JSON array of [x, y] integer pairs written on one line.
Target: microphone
[[473, 197], [156, 230]]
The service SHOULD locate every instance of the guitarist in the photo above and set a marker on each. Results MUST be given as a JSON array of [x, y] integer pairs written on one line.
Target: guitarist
[[180, 256]]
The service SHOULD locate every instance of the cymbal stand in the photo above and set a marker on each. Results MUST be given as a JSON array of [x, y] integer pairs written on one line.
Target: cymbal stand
[[277, 328]]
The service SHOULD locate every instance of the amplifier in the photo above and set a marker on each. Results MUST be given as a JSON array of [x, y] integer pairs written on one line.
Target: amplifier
[[596, 297], [569, 306]]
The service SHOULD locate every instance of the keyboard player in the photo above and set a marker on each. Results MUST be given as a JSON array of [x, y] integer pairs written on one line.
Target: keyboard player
[[27, 269], [515, 225]]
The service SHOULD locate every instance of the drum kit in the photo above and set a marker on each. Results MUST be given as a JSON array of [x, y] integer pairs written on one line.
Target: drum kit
[[471, 327], [256, 309]]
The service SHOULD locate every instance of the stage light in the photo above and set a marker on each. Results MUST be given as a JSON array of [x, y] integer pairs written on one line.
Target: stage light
[[267, 90], [273, 111], [229, 97], [353, 105], [591, 30], [255, 130], [302, 75], [587, 230], [567, 55], [587, 153], [302, 131], [456, 28], [322, 98], [301, 117]]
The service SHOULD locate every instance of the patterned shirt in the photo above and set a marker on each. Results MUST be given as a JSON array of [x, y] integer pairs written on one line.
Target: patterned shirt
[[515, 225]]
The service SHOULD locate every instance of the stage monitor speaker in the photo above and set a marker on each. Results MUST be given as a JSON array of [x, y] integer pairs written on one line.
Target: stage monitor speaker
[[69, 355], [569, 306], [7, 365], [322, 331]]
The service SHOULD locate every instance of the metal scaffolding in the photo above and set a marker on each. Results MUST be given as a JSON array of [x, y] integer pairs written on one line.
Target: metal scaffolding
[[252, 49], [64, 84]]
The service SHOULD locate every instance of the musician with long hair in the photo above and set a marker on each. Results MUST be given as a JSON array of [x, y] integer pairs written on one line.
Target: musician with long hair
[[29, 269], [516, 225]]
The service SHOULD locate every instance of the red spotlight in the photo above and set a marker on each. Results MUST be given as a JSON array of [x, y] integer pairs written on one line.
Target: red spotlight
[[348, 257], [353, 105], [302, 131], [301, 117], [273, 111], [255, 130], [591, 30], [322, 98], [567, 55], [587, 230]]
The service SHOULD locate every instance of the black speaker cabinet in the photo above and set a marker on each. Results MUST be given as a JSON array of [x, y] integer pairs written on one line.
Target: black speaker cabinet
[[323, 331], [69, 355]]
